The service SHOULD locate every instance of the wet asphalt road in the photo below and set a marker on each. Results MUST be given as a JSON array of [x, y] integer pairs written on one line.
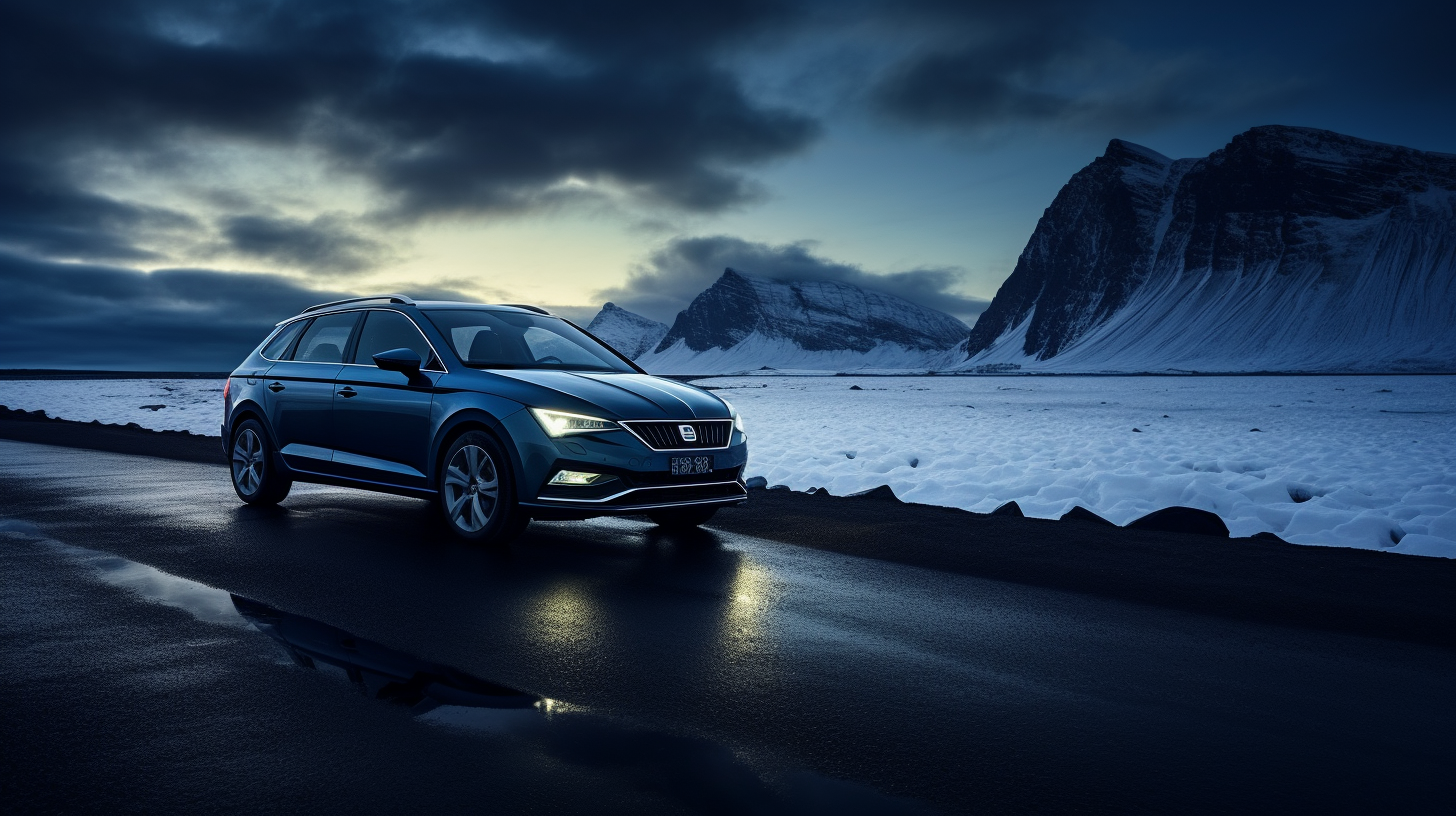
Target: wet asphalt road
[[705, 673]]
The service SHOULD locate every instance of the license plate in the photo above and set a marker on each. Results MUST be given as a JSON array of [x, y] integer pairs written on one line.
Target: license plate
[[690, 465]]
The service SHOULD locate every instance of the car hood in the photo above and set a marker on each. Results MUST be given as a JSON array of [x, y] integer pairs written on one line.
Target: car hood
[[623, 396]]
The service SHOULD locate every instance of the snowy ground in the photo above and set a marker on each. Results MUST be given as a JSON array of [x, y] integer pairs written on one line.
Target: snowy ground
[[1348, 461], [187, 405]]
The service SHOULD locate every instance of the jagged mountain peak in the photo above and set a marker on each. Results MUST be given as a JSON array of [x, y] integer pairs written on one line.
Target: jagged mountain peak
[[1288, 249], [628, 332], [815, 314], [745, 321]]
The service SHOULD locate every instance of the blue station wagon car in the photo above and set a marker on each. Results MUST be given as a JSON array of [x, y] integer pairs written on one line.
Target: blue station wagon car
[[499, 414]]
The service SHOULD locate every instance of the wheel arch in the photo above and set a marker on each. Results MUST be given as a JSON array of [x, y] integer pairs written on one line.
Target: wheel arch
[[249, 409], [462, 422]]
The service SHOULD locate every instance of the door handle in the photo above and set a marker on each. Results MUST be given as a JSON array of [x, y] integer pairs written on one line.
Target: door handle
[[275, 387], [346, 392]]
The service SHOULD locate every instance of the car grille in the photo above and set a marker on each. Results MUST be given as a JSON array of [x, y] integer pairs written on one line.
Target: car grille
[[664, 435]]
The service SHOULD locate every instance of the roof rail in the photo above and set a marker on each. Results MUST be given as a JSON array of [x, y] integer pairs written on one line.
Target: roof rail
[[391, 298], [527, 307]]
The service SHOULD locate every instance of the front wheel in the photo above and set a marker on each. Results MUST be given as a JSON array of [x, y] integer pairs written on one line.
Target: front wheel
[[476, 491], [255, 479], [682, 518]]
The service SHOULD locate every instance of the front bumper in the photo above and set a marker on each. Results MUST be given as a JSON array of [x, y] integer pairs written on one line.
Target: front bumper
[[637, 500], [642, 480]]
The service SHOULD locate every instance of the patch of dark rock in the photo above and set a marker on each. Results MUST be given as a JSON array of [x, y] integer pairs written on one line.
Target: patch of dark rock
[[36, 427], [1385, 391], [151, 407], [915, 463], [849, 456], [778, 487], [1182, 520], [881, 493], [1299, 495], [855, 388], [1010, 508], [1137, 430], [1267, 536], [1080, 513], [756, 482], [1255, 430], [1165, 416]]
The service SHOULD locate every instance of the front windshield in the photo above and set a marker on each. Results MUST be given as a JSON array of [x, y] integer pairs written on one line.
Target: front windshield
[[491, 339]]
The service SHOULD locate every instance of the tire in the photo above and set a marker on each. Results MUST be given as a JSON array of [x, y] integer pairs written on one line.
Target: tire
[[255, 478], [682, 518], [477, 491]]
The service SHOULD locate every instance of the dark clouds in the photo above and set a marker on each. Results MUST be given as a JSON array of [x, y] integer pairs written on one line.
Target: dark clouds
[[41, 211], [327, 244], [445, 108], [990, 67], [69, 315], [88, 316], [678, 272]]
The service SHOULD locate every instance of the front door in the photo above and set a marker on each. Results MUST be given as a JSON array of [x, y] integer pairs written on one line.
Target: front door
[[300, 393], [382, 418]]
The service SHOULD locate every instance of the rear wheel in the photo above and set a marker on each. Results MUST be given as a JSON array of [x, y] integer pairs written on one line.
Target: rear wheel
[[476, 491], [255, 479], [682, 518]]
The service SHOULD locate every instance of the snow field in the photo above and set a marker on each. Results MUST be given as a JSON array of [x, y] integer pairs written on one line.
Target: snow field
[[1364, 462], [1351, 461], [188, 405]]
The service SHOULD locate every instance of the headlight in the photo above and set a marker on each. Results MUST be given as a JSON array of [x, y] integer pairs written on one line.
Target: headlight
[[560, 423], [737, 417]]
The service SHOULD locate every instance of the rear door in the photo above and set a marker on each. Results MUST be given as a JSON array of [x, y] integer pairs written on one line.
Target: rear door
[[300, 392], [382, 418]]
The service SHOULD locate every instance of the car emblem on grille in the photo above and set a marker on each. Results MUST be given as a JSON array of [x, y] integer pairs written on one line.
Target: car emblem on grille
[[688, 434]]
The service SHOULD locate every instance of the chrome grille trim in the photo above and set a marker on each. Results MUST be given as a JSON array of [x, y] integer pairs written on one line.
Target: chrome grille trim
[[662, 434]]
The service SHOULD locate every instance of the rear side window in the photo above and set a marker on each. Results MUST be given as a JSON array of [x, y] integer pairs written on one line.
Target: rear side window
[[326, 338], [279, 346], [385, 331]]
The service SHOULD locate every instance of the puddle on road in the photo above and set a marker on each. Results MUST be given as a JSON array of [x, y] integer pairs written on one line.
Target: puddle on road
[[439, 694], [696, 772]]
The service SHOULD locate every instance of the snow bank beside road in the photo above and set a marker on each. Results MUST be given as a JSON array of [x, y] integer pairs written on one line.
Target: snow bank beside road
[[185, 405], [1349, 461]]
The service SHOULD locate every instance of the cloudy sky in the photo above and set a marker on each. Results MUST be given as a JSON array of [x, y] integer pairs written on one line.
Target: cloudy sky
[[177, 175]]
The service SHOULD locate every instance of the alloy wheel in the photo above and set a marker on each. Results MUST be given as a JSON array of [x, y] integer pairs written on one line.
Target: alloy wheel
[[248, 461], [472, 488]]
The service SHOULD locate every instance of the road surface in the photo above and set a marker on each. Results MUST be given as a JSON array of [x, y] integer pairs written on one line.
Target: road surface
[[714, 672]]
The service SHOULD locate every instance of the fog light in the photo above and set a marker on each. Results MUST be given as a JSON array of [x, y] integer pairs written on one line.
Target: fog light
[[576, 477]]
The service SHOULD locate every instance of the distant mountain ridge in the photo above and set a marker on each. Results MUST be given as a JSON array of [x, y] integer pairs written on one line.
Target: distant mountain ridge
[[628, 332], [1290, 249], [743, 322]]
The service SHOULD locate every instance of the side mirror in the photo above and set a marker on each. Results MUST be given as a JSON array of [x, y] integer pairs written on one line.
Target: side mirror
[[403, 360]]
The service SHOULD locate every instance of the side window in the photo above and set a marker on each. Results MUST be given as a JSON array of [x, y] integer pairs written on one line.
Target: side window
[[325, 339], [276, 349], [384, 331]]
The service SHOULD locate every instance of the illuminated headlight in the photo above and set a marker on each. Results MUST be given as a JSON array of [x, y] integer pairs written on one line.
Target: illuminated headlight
[[576, 477], [737, 417], [560, 423]]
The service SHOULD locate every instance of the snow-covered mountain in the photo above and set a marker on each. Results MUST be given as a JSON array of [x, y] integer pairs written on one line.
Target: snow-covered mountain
[[743, 323], [628, 332], [1290, 249]]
